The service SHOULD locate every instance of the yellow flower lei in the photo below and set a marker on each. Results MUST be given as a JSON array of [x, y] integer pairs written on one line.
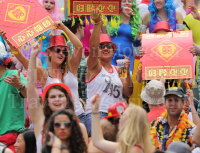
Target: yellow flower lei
[[178, 135]]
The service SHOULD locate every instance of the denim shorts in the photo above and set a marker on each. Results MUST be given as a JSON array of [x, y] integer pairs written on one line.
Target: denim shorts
[[89, 120], [82, 118]]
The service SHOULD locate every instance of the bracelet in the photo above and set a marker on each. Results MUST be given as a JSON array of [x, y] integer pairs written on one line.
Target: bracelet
[[95, 113], [97, 23], [194, 113]]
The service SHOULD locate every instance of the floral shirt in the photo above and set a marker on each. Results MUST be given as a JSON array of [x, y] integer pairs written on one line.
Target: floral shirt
[[162, 136]]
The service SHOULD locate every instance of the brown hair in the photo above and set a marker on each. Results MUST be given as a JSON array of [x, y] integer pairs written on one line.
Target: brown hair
[[77, 143], [63, 65], [47, 111], [109, 130]]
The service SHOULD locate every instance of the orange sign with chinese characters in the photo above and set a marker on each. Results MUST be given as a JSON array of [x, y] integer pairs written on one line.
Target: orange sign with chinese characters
[[85, 7], [168, 55], [23, 20]]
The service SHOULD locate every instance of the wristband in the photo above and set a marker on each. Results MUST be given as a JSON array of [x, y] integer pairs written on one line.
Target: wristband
[[97, 23]]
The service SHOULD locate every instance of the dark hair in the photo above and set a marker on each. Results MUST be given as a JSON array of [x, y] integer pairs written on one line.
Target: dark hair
[[77, 143], [74, 28], [30, 141], [47, 111]]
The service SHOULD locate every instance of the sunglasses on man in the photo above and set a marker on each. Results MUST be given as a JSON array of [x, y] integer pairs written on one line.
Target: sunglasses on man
[[108, 46]]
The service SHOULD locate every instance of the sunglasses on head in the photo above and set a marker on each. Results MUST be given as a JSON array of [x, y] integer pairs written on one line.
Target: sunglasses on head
[[68, 125], [108, 46], [64, 51]]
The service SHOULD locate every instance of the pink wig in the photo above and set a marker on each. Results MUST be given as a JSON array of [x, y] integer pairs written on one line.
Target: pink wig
[[56, 13]]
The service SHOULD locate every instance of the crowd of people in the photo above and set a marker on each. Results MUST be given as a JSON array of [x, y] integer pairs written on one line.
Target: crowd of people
[[64, 91]]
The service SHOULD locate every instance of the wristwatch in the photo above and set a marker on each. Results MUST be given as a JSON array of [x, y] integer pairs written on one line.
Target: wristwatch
[[22, 88]]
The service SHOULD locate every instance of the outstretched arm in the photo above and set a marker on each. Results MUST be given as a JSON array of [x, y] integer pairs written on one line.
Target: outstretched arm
[[77, 54], [34, 106], [97, 135], [93, 61]]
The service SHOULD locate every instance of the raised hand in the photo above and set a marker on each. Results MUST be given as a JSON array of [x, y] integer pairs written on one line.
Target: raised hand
[[128, 11], [3, 34], [14, 81], [142, 52], [59, 25], [36, 48], [54, 141], [194, 12], [192, 50], [96, 15], [95, 102], [127, 62], [190, 95]]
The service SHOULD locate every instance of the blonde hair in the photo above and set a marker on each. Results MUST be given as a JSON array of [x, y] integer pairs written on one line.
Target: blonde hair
[[135, 130]]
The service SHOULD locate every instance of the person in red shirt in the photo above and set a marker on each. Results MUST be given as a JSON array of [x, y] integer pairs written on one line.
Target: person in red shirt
[[153, 94]]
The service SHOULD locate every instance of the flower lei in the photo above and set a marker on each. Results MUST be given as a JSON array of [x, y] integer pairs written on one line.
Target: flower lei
[[178, 135]]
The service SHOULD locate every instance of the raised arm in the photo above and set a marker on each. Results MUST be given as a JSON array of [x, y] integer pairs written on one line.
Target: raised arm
[[146, 19], [75, 60], [41, 75], [93, 61], [34, 106], [97, 135], [179, 17], [196, 137]]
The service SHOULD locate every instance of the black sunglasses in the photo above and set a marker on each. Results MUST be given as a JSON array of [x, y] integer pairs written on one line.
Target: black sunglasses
[[109, 46], [64, 51], [68, 125]]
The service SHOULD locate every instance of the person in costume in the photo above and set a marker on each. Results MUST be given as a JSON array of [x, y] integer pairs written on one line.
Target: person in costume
[[133, 135], [124, 31], [103, 77], [12, 92], [56, 96], [173, 124], [64, 125], [162, 10], [53, 8]]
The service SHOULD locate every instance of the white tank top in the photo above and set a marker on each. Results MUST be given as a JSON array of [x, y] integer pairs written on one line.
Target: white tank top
[[108, 85], [72, 82]]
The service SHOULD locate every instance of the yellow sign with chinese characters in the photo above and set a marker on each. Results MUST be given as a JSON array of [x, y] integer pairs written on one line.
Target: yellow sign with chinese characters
[[17, 13], [86, 7]]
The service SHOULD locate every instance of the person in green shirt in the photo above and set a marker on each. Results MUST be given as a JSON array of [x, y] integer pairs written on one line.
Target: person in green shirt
[[12, 94]]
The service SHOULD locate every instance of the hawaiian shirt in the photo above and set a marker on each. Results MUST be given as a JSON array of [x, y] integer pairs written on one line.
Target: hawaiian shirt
[[82, 71], [162, 136]]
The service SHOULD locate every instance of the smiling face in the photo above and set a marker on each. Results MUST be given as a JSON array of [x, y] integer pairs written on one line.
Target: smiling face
[[56, 100], [105, 51], [49, 5], [62, 132], [20, 144], [174, 105], [159, 4], [56, 55], [127, 3]]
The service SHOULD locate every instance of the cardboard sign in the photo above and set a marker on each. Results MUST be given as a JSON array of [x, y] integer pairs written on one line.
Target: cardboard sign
[[85, 7], [23, 20], [167, 54]]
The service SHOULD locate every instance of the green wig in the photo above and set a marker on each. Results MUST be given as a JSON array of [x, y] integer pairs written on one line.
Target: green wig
[[116, 20]]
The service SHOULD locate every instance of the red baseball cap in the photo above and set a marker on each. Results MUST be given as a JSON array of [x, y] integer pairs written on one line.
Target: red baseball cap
[[115, 109], [55, 82]]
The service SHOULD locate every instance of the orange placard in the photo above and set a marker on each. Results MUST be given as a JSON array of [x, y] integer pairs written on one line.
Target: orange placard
[[167, 54], [23, 20], [86, 7]]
